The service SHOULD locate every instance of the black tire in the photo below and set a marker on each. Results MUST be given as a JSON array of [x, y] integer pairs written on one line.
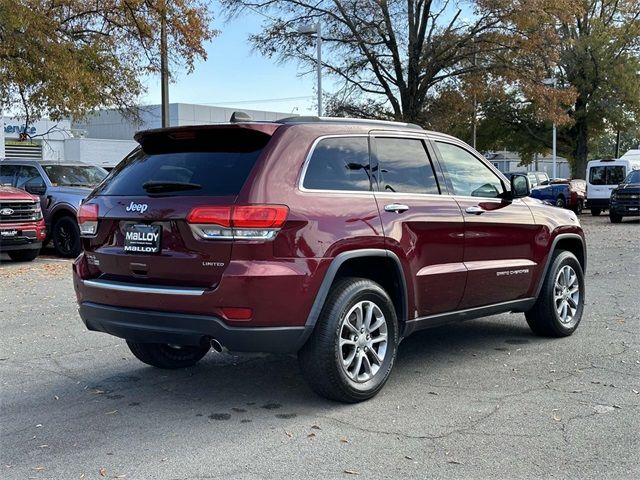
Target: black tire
[[23, 255], [543, 318], [66, 237], [167, 356], [560, 202], [578, 207], [614, 217], [322, 356], [596, 211]]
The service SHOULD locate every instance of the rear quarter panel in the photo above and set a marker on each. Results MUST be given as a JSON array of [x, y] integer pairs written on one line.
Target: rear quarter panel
[[320, 225]]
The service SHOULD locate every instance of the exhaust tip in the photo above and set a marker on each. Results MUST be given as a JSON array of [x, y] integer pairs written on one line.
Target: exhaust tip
[[216, 345]]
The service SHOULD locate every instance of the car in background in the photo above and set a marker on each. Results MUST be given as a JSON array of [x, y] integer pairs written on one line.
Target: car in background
[[605, 175], [562, 193], [535, 178], [625, 198], [61, 187], [22, 227]]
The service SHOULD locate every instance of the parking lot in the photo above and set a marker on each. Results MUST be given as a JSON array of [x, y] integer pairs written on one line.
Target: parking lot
[[479, 399]]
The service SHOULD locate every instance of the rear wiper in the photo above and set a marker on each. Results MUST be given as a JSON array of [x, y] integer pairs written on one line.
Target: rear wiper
[[165, 186]]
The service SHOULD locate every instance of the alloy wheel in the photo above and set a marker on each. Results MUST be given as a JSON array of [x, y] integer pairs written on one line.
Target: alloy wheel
[[363, 341], [566, 294], [64, 239]]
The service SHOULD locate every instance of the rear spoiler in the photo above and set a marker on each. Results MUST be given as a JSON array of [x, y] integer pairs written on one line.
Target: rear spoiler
[[190, 131], [245, 136]]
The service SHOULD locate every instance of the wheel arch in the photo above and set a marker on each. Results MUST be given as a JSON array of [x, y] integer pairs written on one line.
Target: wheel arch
[[571, 242], [63, 210], [361, 263]]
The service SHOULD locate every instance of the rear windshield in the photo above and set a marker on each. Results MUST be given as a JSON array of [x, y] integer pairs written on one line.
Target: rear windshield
[[610, 175], [208, 167]]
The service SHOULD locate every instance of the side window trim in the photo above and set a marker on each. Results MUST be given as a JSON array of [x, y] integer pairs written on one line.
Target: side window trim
[[307, 160], [435, 165], [482, 160], [441, 178]]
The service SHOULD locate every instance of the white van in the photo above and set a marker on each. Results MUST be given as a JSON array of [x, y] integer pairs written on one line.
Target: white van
[[605, 175]]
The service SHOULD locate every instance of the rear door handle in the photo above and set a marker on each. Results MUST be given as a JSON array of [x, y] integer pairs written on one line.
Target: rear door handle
[[475, 210], [396, 207]]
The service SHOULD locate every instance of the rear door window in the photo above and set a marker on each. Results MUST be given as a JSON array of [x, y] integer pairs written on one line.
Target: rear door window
[[339, 163], [606, 175], [404, 166], [542, 178]]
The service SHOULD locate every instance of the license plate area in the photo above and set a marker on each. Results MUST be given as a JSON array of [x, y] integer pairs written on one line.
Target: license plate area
[[142, 238]]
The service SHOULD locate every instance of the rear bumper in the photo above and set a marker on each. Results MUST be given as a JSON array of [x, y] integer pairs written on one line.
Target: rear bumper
[[183, 329], [598, 203]]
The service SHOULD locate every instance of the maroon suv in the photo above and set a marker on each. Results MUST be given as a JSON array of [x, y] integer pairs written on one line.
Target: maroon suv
[[332, 238]]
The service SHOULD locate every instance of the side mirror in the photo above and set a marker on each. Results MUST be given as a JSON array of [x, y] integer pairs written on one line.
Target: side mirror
[[520, 186], [35, 186]]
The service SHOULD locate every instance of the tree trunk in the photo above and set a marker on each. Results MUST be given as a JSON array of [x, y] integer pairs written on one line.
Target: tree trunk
[[581, 129]]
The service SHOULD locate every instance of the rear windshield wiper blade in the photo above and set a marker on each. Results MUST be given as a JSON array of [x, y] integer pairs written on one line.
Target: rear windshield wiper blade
[[164, 186]]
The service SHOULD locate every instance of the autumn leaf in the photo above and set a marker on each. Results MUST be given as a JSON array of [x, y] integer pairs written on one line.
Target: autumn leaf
[[103, 472]]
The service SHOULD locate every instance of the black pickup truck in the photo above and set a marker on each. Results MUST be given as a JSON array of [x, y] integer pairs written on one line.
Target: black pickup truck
[[625, 198]]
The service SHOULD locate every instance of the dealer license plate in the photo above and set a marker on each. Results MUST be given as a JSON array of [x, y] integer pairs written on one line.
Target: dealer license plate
[[142, 238]]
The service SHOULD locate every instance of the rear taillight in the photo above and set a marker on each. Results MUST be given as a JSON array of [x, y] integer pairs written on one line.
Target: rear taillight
[[88, 220], [244, 222]]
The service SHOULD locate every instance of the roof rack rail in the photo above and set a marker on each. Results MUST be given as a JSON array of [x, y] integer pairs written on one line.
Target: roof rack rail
[[314, 119]]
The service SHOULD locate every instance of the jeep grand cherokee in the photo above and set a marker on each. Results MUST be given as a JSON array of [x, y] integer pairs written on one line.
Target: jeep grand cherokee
[[332, 238]]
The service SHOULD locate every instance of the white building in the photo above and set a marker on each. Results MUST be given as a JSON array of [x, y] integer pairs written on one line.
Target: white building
[[59, 142], [111, 124], [510, 162], [106, 137], [47, 142]]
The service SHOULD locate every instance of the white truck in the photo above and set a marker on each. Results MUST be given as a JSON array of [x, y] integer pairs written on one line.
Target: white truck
[[605, 175]]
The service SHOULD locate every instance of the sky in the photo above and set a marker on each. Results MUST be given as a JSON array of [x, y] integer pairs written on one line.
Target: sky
[[236, 76]]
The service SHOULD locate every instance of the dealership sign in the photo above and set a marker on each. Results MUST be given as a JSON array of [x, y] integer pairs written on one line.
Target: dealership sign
[[19, 129]]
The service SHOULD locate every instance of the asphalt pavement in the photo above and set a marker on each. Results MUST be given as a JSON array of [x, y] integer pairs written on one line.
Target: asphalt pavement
[[481, 399]]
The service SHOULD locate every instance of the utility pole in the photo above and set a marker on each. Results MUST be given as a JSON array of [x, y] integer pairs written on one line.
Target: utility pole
[[552, 82], [617, 145], [319, 66], [164, 67], [310, 29], [474, 126]]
